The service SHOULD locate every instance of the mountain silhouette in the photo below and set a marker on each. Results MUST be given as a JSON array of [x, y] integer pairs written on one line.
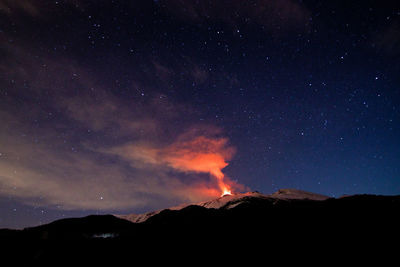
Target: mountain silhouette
[[286, 218]]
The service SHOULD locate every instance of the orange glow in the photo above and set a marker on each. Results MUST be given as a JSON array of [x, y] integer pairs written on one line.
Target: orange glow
[[226, 192], [201, 154], [224, 187]]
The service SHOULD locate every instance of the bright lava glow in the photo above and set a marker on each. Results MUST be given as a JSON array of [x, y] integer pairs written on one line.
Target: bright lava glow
[[226, 192]]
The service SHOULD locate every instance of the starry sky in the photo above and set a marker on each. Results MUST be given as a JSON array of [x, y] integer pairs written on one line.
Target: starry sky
[[132, 106]]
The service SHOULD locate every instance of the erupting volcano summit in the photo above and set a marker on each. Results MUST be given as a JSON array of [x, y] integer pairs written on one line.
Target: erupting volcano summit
[[229, 200]]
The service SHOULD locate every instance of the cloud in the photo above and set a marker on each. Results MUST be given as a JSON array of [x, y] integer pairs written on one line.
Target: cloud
[[27, 6], [388, 38], [200, 154], [71, 181], [274, 15], [75, 145], [37, 8], [199, 75], [192, 152], [100, 111], [74, 175], [162, 72], [174, 69]]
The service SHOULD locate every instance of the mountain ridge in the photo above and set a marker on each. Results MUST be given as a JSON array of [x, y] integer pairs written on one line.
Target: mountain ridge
[[289, 221], [286, 209], [225, 201]]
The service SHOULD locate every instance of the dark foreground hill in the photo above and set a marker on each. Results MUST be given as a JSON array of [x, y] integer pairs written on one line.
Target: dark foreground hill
[[251, 221]]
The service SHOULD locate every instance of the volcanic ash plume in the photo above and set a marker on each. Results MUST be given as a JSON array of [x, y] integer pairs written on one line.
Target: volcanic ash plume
[[190, 153], [201, 154]]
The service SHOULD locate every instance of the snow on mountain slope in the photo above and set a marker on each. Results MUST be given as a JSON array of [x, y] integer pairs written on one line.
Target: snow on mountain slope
[[224, 200], [138, 218], [297, 194], [231, 201]]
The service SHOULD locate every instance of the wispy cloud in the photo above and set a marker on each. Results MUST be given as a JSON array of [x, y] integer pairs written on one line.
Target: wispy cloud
[[36, 8], [192, 152], [274, 15], [85, 148], [388, 38], [28, 6]]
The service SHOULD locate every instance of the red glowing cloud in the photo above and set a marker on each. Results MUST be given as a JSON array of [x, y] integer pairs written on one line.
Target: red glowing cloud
[[191, 152], [203, 155]]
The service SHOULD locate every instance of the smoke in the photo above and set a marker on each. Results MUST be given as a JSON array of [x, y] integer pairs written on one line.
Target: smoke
[[97, 150], [201, 154], [190, 153]]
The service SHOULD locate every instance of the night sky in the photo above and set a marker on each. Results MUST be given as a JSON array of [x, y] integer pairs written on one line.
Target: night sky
[[132, 106]]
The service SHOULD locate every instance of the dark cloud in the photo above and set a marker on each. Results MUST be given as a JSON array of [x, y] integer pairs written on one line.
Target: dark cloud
[[27, 6], [388, 38], [281, 15]]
